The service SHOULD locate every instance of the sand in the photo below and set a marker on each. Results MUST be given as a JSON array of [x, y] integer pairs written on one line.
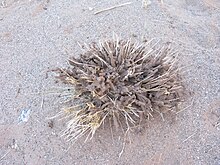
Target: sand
[[39, 35]]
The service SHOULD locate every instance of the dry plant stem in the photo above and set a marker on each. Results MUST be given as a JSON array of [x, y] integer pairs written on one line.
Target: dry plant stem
[[113, 7], [124, 142], [189, 137], [5, 154], [218, 124], [185, 107], [42, 102], [122, 82]]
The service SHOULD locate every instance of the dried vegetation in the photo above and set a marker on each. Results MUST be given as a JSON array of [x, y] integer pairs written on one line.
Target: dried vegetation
[[120, 81]]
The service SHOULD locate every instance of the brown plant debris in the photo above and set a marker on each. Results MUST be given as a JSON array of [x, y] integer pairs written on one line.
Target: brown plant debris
[[122, 81]]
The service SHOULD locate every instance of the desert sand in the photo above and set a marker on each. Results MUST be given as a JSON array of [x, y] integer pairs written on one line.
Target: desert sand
[[39, 35]]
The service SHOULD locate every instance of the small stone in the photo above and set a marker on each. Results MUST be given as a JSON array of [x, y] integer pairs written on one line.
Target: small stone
[[24, 116], [90, 8]]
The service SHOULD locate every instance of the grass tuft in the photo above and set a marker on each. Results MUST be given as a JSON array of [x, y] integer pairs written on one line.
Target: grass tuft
[[120, 81]]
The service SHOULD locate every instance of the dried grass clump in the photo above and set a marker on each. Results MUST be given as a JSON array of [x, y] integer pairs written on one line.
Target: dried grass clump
[[124, 82]]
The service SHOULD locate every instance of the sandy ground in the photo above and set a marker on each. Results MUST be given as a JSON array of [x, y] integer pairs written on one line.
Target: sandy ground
[[35, 37]]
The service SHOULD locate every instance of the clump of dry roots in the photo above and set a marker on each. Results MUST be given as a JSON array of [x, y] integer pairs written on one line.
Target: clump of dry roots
[[122, 81]]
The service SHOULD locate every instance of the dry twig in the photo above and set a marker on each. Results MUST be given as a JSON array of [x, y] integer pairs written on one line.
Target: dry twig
[[113, 7], [5, 154]]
